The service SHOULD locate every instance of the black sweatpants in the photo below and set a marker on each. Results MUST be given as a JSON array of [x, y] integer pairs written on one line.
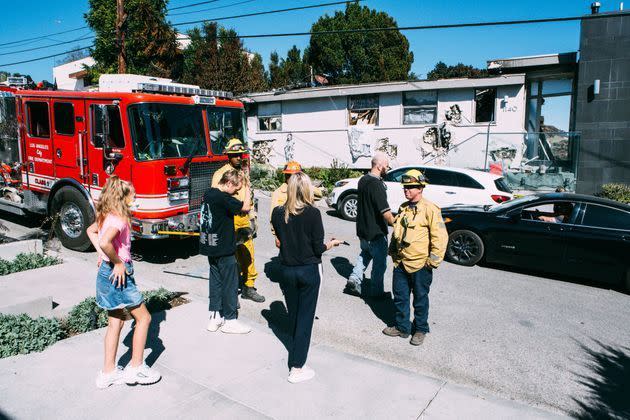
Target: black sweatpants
[[302, 289], [223, 286]]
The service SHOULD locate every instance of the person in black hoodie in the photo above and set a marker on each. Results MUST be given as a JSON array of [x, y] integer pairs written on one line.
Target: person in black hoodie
[[300, 237]]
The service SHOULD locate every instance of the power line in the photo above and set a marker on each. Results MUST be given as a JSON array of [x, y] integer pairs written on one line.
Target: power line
[[193, 5], [263, 13], [367, 30], [47, 46], [43, 36], [211, 8]]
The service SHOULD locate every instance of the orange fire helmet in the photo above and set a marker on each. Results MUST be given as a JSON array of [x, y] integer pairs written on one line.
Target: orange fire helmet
[[292, 167]]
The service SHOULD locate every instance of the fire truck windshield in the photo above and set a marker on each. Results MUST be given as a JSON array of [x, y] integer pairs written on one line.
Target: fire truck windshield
[[225, 124], [161, 131]]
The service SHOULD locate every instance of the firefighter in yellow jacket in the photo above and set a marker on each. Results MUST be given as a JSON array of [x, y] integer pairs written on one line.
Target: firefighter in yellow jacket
[[279, 196], [245, 250], [417, 247]]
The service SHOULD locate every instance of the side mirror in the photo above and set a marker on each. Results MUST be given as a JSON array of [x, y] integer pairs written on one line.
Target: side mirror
[[515, 217]]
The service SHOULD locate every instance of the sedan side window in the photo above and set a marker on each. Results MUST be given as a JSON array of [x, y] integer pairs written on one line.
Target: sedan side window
[[558, 212], [395, 175], [440, 177], [606, 217]]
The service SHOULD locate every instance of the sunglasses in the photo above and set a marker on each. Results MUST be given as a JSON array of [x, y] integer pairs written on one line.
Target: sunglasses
[[406, 179], [411, 187]]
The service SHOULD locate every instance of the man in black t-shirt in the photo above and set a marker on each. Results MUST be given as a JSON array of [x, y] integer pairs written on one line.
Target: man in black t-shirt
[[373, 216], [217, 240]]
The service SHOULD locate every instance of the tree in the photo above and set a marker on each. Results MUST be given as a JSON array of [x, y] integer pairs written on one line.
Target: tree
[[216, 59], [293, 70], [73, 56], [363, 56], [442, 71], [150, 42]]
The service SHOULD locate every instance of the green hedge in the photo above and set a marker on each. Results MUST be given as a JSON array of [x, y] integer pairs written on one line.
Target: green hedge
[[21, 334], [268, 179], [25, 262], [617, 192]]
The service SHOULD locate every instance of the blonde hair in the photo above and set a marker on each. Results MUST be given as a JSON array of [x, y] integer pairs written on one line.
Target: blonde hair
[[113, 200], [233, 175], [299, 195]]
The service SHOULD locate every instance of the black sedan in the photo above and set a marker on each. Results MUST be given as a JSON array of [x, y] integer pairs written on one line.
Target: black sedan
[[570, 234]]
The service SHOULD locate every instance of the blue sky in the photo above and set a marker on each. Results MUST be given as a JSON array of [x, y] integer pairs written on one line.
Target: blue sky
[[468, 45]]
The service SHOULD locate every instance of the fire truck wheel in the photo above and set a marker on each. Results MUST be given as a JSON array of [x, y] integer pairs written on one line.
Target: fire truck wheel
[[72, 215]]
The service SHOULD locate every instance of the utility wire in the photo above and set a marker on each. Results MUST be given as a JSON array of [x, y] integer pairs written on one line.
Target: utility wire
[[211, 8], [263, 13], [192, 5], [367, 30], [47, 46]]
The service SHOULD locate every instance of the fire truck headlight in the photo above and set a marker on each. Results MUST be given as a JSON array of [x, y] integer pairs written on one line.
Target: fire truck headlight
[[174, 196]]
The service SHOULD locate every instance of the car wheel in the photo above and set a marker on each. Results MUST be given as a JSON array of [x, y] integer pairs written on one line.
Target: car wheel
[[72, 215], [348, 207], [464, 248]]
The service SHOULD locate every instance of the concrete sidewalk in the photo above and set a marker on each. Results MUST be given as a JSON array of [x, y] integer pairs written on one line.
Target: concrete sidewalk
[[215, 375]]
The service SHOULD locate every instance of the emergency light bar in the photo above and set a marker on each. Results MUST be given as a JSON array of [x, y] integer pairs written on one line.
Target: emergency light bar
[[183, 90]]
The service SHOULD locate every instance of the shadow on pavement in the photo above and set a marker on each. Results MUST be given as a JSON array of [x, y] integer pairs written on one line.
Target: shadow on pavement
[[608, 383], [382, 306], [162, 251], [280, 322], [154, 342]]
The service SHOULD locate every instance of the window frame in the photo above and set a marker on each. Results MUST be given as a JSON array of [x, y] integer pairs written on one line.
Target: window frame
[[74, 129], [586, 206], [349, 110], [494, 105], [29, 119], [405, 107], [92, 106], [265, 117]]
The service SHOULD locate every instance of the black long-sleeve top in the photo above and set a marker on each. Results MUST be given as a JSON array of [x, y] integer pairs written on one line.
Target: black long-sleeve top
[[302, 239]]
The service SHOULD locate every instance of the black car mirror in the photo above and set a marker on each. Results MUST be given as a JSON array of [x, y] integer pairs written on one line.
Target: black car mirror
[[515, 217]]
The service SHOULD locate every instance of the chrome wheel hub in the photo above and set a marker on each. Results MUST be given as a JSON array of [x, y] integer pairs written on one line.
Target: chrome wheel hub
[[350, 208], [71, 220]]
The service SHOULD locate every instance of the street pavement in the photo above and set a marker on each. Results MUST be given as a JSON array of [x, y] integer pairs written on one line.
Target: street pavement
[[514, 335]]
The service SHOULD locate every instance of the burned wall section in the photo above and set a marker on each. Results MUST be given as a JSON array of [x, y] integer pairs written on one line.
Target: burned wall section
[[603, 118]]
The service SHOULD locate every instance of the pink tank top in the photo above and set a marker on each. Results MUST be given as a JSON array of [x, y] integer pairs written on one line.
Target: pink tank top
[[122, 241]]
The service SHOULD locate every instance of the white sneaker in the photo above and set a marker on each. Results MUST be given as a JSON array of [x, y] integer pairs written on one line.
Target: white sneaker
[[142, 374], [215, 322], [300, 375], [233, 326], [115, 377]]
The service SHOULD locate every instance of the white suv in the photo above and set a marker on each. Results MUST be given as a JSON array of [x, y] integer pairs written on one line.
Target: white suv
[[447, 187]]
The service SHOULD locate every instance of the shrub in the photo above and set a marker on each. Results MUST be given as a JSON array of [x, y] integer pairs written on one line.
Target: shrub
[[21, 334], [25, 262], [265, 178], [158, 300], [329, 176], [617, 192], [85, 316]]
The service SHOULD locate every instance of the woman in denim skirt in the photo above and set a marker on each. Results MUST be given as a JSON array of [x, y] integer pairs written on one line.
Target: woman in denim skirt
[[116, 287]]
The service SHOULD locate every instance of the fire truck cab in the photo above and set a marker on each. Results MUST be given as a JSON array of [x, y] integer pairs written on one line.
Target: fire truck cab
[[58, 148]]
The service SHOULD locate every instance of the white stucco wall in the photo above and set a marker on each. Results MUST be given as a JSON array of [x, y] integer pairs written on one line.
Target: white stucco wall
[[61, 74], [320, 129]]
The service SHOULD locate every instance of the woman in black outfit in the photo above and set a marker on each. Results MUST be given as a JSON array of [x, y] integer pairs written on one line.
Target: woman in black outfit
[[300, 237]]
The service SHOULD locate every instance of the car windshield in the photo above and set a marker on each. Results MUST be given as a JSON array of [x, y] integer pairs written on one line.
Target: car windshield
[[225, 124], [513, 203], [162, 131]]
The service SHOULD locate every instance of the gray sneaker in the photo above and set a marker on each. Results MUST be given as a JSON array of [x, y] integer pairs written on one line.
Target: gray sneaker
[[417, 339], [251, 294]]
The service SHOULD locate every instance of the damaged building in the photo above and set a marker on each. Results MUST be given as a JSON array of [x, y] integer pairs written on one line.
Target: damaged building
[[546, 121]]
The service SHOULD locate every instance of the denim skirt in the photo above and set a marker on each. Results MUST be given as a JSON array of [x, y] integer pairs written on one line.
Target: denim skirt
[[109, 296]]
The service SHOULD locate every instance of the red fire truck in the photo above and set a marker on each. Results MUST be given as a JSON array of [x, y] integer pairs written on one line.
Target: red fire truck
[[57, 149]]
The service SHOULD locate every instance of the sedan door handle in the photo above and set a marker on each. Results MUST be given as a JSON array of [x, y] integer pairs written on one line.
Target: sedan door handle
[[451, 192]]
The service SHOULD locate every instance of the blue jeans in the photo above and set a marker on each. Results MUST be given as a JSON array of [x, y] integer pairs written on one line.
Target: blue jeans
[[403, 285], [376, 252]]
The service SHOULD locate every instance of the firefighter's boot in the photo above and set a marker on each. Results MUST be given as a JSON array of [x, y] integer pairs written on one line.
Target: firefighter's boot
[[251, 294]]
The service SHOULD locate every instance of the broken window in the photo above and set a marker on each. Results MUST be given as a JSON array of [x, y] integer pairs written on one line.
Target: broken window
[[38, 119], [363, 110], [270, 116], [420, 107], [484, 105]]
